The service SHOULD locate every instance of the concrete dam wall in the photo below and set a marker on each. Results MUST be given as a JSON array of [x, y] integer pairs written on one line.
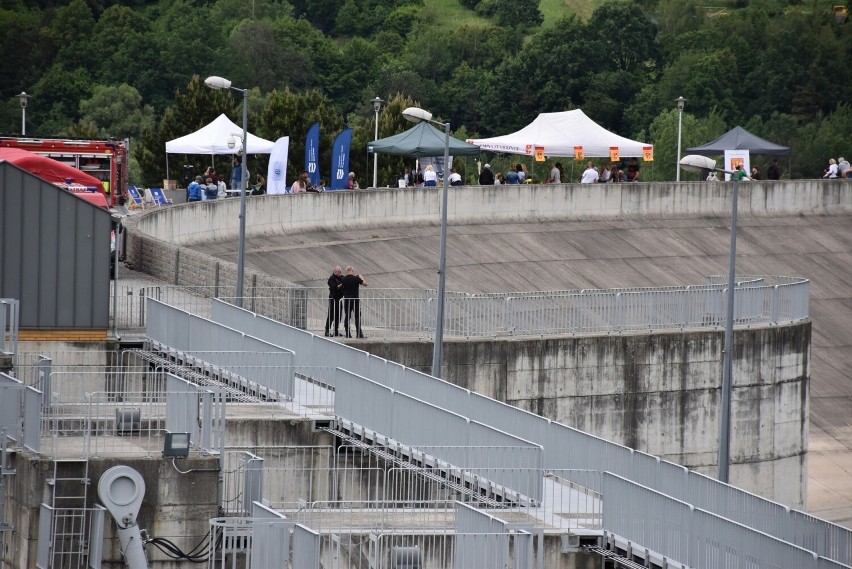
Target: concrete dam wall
[[658, 393]]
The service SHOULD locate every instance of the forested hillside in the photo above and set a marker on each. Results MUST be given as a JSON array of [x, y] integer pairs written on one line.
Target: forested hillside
[[135, 68]]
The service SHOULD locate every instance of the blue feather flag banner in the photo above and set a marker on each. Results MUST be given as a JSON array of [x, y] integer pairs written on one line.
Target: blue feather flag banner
[[340, 160], [312, 153]]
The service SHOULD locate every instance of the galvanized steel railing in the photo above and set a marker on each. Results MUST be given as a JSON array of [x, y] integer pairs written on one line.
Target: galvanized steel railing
[[9, 314], [588, 452], [393, 313]]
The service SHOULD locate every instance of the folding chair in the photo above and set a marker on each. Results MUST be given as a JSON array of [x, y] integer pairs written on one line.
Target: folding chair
[[136, 197], [159, 196]]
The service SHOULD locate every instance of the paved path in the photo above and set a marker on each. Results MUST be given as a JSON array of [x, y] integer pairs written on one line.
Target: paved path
[[624, 253]]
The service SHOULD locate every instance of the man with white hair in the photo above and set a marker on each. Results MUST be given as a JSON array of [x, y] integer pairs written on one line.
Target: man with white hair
[[843, 168], [486, 177], [352, 183]]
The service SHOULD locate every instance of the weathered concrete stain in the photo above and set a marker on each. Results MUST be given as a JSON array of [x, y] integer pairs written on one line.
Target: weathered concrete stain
[[658, 393]]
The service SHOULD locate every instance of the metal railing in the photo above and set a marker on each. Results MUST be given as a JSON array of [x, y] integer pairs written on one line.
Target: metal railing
[[392, 313], [587, 451], [70, 538], [9, 315]]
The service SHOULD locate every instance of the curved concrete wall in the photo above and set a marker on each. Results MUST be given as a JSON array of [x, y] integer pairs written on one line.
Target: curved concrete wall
[[655, 392], [658, 393], [188, 224]]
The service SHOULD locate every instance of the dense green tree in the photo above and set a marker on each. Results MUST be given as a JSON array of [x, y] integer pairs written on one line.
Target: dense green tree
[[185, 43], [391, 122], [71, 32], [21, 62], [624, 37], [289, 113], [354, 72], [58, 93], [547, 75], [523, 14], [191, 110], [776, 66], [694, 132], [117, 111], [321, 13], [708, 80], [396, 77], [256, 58]]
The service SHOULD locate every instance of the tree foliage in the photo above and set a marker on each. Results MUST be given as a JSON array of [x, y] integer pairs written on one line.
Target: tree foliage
[[135, 68]]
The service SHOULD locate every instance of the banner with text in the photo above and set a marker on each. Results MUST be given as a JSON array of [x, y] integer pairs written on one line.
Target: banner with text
[[312, 153]]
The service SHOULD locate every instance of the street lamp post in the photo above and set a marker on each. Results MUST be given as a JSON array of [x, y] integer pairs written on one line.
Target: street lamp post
[[415, 114], [24, 98], [215, 82], [680, 102], [696, 163], [377, 106]]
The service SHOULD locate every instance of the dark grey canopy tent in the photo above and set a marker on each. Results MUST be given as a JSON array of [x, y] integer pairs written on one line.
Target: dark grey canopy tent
[[739, 138], [421, 141]]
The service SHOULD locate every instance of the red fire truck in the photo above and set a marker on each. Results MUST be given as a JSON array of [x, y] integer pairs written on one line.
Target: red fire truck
[[106, 160]]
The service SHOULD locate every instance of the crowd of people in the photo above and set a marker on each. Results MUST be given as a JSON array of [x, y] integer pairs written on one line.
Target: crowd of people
[[210, 186]]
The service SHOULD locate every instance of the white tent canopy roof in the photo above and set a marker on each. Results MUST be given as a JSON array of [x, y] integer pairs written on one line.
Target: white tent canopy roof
[[559, 133], [213, 139]]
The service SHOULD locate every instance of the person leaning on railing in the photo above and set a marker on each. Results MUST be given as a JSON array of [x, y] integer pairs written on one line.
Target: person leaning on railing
[[351, 303], [335, 293]]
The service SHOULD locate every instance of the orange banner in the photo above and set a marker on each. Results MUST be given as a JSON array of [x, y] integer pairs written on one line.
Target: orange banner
[[613, 154], [539, 153], [648, 153], [578, 153]]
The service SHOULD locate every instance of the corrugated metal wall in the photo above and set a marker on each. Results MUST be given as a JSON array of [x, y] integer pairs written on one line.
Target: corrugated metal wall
[[54, 254]]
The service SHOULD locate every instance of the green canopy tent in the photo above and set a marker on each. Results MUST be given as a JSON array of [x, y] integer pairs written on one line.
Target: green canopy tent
[[420, 141]]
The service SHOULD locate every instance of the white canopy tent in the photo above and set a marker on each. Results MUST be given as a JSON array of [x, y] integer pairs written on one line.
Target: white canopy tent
[[558, 134], [213, 139]]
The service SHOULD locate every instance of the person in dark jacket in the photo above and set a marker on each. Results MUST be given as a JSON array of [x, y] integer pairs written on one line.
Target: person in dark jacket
[[486, 177], [335, 293], [351, 303]]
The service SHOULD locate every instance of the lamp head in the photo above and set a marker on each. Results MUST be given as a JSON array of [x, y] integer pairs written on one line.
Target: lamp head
[[232, 141], [697, 163], [377, 103], [416, 114], [122, 490], [680, 102], [216, 82], [23, 97]]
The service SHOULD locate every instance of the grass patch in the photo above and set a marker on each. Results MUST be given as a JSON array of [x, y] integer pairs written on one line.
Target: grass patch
[[552, 10], [451, 14]]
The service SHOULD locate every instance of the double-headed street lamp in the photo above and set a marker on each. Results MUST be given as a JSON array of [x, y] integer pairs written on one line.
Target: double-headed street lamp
[[219, 83], [24, 98], [696, 163], [680, 102], [416, 114], [377, 106]]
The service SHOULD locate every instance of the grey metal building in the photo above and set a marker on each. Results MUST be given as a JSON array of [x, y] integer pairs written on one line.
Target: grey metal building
[[54, 254]]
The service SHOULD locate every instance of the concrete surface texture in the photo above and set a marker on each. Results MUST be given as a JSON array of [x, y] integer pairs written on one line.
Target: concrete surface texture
[[626, 252]]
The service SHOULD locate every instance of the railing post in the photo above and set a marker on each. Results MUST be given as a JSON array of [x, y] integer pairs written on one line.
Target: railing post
[[773, 305], [617, 323]]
